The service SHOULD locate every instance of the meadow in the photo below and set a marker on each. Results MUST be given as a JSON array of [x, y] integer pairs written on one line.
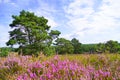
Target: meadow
[[61, 67]]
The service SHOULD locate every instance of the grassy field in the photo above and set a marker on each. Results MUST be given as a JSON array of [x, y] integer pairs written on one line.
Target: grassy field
[[61, 67]]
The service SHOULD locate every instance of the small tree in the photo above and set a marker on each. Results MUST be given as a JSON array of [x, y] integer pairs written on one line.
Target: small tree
[[77, 45], [112, 46], [89, 48], [101, 48], [64, 46], [49, 51]]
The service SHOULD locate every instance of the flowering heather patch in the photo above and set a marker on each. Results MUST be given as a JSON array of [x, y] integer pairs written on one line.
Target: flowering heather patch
[[63, 70], [57, 68]]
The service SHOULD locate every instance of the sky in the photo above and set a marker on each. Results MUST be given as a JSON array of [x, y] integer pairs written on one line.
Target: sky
[[89, 21]]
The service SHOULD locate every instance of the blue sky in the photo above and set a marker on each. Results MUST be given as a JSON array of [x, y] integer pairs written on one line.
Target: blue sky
[[90, 21]]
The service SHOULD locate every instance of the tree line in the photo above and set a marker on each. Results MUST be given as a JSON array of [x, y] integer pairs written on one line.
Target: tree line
[[33, 36]]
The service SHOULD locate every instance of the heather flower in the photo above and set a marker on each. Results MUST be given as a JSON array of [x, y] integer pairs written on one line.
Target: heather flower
[[57, 69]]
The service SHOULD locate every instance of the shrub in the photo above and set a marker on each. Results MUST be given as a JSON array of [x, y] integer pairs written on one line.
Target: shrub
[[49, 51], [69, 67], [4, 52], [3, 73], [10, 66], [63, 70]]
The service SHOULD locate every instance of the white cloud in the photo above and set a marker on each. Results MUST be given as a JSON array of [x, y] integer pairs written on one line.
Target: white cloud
[[5, 1], [52, 23], [4, 36], [111, 8], [86, 22], [80, 8]]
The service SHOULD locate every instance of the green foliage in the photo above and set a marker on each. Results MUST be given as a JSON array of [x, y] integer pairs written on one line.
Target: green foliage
[[112, 46], [64, 46], [101, 48], [4, 51], [28, 50], [54, 33], [49, 51], [77, 45], [31, 33], [91, 48]]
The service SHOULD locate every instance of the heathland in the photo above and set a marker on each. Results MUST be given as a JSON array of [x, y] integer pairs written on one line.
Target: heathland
[[60, 67]]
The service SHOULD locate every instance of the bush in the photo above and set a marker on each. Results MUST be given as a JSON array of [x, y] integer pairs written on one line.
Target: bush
[[57, 69], [49, 51], [10, 66], [4, 52], [3, 73], [28, 50], [32, 51]]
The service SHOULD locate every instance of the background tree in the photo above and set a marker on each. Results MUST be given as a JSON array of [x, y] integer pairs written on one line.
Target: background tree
[[112, 46], [31, 33], [89, 48], [54, 34], [64, 46], [101, 48], [77, 45]]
